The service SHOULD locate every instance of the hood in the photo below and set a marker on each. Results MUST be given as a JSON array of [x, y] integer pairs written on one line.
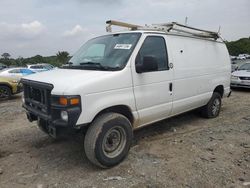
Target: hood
[[8, 79], [67, 79], [241, 73]]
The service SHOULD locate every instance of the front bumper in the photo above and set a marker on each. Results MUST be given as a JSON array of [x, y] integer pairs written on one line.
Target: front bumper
[[52, 124], [240, 83], [54, 118], [40, 105]]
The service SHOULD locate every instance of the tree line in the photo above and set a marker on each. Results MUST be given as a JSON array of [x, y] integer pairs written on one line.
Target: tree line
[[241, 46], [59, 59]]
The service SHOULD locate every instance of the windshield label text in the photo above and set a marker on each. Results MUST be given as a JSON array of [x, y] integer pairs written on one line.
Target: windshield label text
[[123, 46]]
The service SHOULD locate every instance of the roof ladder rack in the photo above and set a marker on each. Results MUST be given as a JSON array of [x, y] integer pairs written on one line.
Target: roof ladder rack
[[168, 27], [120, 24], [192, 31]]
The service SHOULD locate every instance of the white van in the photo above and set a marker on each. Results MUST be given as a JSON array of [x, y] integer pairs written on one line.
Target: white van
[[123, 81]]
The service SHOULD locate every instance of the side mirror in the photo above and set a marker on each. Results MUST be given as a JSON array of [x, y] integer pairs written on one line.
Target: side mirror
[[149, 64]]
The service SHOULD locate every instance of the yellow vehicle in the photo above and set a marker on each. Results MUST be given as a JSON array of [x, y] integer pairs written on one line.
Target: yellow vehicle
[[9, 86]]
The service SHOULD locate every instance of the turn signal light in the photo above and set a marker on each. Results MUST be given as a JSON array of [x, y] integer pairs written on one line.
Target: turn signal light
[[74, 101], [63, 101], [71, 101]]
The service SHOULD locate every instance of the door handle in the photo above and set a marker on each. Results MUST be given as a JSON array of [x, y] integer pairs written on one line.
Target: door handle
[[170, 87]]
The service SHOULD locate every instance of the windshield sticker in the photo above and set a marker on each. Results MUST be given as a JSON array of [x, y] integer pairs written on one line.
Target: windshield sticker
[[123, 46]]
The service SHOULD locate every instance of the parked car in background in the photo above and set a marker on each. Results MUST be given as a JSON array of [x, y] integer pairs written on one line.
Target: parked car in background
[[246, 56], [234, 67], [233, 57], [9, 86], [16, 72], [241, 77], [40, 67], [2, 66], [241, 58]]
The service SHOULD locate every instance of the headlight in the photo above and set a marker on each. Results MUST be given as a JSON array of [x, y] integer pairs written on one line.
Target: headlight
[[234, 77], [64, 115], [67, 100]]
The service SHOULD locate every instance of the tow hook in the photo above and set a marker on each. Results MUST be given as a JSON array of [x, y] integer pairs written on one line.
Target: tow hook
[[52, 131]]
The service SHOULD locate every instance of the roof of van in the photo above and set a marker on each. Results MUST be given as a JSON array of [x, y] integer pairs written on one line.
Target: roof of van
[[163, 33]]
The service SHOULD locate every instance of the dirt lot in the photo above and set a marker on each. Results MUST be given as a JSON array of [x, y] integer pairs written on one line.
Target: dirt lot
[[185, 151]]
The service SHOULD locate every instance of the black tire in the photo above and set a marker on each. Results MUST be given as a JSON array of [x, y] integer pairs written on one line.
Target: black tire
[[104, 133], [212, 109], [5, 92]]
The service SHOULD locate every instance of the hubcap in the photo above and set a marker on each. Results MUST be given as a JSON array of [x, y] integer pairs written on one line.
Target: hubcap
[[114, 142], [216, 106]]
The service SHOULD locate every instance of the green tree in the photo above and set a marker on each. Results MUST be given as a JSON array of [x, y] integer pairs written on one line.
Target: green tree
[[6, 55], [19, 61], [62, 57], [241, 46], [37, 59]]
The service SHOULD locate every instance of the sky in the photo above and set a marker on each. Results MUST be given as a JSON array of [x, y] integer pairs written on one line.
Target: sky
[[44, 27]]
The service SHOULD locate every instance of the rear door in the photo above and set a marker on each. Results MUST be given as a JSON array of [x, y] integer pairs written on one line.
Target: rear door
[[152, 90]]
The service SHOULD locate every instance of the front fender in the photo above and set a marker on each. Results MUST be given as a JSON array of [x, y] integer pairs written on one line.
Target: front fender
[[92, 104]]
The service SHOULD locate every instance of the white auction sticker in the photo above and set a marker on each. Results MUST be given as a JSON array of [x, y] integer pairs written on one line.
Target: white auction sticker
[[123, 46]]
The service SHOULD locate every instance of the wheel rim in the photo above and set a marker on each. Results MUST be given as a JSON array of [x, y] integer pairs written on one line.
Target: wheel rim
[[114, 142], [216, 106], [4, 93]]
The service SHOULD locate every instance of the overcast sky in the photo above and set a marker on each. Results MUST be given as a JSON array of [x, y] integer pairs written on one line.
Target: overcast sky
[[31, 27]]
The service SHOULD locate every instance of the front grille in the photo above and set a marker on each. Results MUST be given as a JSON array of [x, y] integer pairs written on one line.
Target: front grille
[[245, 78], [37, 96]]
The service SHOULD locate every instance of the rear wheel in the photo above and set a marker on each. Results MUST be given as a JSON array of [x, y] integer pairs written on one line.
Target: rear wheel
[[5, 92], [108, 140], [212, 109]]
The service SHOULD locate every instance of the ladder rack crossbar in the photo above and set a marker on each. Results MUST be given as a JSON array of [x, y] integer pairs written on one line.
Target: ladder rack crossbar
[[167, 27]]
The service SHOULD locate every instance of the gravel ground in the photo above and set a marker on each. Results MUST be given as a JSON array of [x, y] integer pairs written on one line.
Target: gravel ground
[[184, 151]]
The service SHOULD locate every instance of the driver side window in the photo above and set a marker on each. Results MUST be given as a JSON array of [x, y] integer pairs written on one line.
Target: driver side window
[[155, 47]]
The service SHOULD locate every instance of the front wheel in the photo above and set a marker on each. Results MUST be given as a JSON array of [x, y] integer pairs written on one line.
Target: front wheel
[[108, 140], [5, 92], [212, 109]]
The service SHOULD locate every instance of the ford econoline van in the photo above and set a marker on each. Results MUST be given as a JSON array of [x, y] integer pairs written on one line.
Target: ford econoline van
[[123, 81]]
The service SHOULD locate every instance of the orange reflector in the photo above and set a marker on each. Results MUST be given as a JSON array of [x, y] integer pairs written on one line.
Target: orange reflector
[[74, 101], [63, 101]]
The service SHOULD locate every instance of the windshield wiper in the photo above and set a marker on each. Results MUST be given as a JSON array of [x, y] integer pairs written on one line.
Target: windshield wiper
[[97, 66], [90, 66], [90, 63]]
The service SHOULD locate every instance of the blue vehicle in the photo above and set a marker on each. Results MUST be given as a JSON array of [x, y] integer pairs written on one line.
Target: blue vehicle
[[16, 72]]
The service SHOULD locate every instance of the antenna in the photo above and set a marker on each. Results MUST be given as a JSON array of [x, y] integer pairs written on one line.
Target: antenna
[[219, 29], [186, 20]]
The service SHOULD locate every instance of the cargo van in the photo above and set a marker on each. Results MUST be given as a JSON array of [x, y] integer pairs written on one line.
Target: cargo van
[[123, 81]]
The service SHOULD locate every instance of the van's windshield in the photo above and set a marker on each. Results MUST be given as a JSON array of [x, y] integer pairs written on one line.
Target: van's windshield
[[107, 53]]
